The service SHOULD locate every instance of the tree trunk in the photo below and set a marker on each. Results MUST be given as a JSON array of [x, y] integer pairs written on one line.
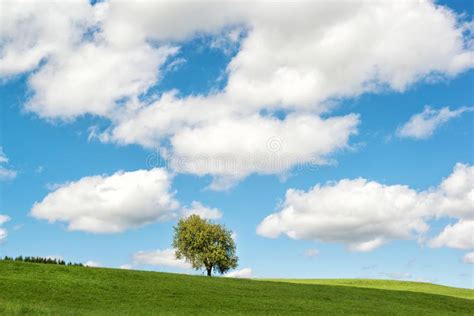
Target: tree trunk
[[209, 270]]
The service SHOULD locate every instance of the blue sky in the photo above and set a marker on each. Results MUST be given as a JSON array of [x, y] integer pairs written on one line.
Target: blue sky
[[57, 129]]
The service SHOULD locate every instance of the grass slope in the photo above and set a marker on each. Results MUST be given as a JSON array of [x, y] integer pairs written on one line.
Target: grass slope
[[387, 285], [28, 288]]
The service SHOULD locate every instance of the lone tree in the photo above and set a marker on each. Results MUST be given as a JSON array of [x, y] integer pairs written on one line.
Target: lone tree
[[204, 245]]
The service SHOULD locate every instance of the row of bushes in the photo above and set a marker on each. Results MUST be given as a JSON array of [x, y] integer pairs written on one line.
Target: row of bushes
[[42, 260]]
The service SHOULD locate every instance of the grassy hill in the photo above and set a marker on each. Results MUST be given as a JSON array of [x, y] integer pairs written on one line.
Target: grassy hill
[[27, 288], [388, 285]]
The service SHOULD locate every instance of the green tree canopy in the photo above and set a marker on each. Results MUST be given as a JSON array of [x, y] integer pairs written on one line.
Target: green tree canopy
[[205, 245]]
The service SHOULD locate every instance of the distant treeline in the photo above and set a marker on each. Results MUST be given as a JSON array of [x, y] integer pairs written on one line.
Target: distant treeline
[[42, 260]]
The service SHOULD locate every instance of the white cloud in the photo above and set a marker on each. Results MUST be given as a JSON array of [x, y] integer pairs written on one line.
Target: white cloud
[[342, 50], [360, 213], [459, 235], [29, 32], [115, 203], [175, 64], [241, 274], [159, 257], [366, 246], [469, 258], [128, 23], [93, 264], [268, 72], [3, 231], [81, 51], [126, 266], [110, 204], [5, 173], [299, 55], [364, 214], [119, 73], [228, 41], [203, 211], [4, 219], [148, 125], [311, 253], [423, 125], [454, 197], [296, 57], [235, 148], [3, 157]]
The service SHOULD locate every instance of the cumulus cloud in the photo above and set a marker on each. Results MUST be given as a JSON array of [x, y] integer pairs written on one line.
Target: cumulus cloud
[[91, 66], [365, 214], [159, 257], [5, 173], [115, 203], [298, 58], [454, 197], [459, 235], [3, 231], [111, 204], [423, 125], [298, 55], [235, 148], [343, 50], [203, 211], [469, 258], [29, 32], [30, 41], [241, 274], [360, 213]]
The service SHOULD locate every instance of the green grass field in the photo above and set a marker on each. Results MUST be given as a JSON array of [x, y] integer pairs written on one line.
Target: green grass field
[[387, 285], [30, 289]]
